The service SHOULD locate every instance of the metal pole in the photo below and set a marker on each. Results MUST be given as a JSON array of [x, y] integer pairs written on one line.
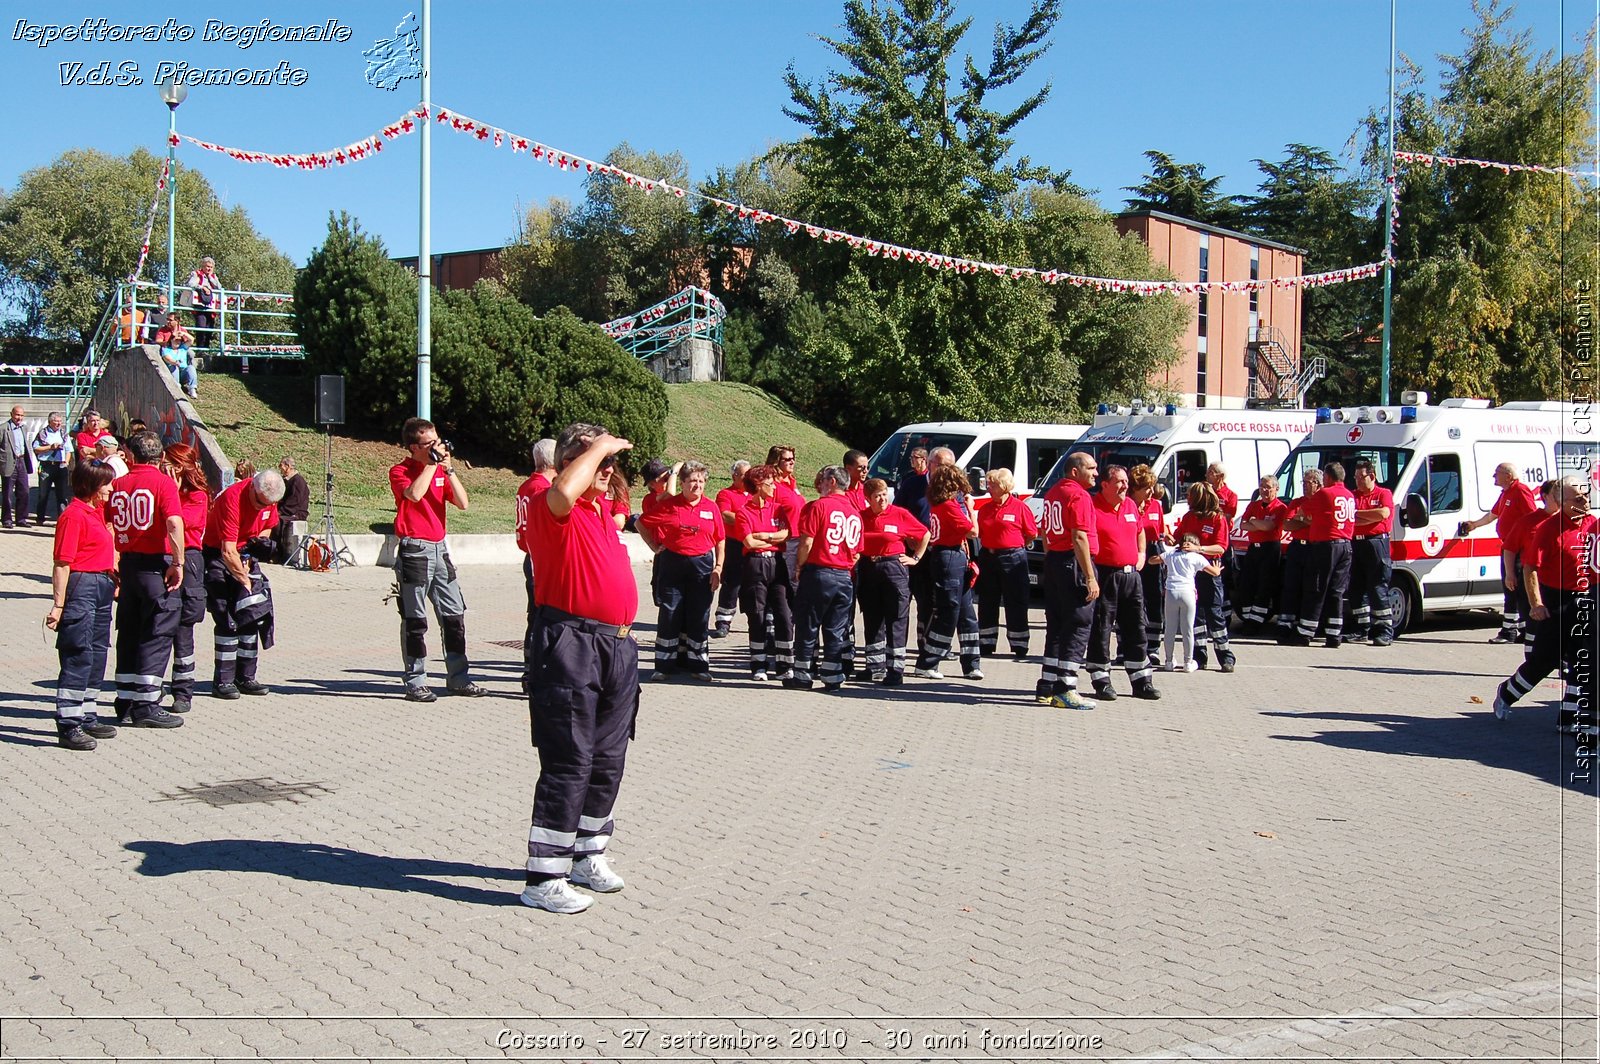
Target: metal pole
[[172, 205], [1388, 225], [424, 245]]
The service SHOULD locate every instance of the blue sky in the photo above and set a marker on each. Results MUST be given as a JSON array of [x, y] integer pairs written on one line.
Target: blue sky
[[1219, 83]]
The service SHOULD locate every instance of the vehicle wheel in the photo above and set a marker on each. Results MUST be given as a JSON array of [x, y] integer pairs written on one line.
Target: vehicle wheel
[[1406, 609]]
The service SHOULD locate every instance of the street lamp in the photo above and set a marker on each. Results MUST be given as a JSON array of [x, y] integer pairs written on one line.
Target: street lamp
[[172, 93]]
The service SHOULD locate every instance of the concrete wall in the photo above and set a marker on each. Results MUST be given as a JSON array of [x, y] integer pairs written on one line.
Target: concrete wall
[[136, 385], [694, 359]]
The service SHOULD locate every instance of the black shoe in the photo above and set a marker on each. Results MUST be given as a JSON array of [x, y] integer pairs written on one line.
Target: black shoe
[[1333, 642], [703, 677], [77, 738], [797, 684], [157, 718], [224, 690], [467, 690], [1104, 693], [1019, 655], [420, 694], [100, 731], [720, 632], [1294, 639], [832, 686], [893, 679], [1201, 659], [1225, 663], [1504, 636], [251, 687], [1147, 690], [180, 704], [1382, 641]]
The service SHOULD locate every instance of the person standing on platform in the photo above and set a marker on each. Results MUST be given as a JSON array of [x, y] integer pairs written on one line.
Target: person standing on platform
[[421, 485], [1371, 568], [194, 501], [1516, 500], [583, 673], [1262, 525], [762, 529], [81, 583], [1069, 582], [1120, 607], [147, 522], [1005, 528], [730, 501]]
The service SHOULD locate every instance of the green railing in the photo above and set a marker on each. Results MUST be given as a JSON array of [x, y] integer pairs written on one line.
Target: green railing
[[691, 312]]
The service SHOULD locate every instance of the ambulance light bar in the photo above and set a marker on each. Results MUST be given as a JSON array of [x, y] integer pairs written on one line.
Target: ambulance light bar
[[1324, 415], [1408, 414]]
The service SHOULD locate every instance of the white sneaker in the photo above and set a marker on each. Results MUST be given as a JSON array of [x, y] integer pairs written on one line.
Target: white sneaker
[[1172, 666], [556, 896], [928, 674], [596, 874], [759, 677], [974, 674], [1193, 666]]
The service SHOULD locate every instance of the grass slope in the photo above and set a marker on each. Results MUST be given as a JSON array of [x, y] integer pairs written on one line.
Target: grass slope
[[264, 417]]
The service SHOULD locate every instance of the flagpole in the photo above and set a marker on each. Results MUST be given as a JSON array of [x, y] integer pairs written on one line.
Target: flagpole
[[1388, 225], [424, 244]]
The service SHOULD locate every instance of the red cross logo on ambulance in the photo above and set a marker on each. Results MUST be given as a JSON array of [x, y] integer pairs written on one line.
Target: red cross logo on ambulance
[[1354, 435], [1432, 543]]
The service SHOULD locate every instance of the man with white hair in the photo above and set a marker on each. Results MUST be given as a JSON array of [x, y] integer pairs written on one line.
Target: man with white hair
[[237, 593]]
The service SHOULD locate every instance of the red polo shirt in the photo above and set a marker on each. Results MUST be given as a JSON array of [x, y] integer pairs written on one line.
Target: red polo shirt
[[236, 519], [1515, 500], [423, 519], [83, 540], [1068, 509], [141, 501], [886, 534], [525, 492], [1333, 514], [1379, 496], [582, 564], [949, 524], [91, 440], [196, 505], [1212, 529], [790, 504], [1004, 525], [1275, 511], [1229, 500], [1152, 518], [1117, 527], [1292, 535], [857, 496], [1519, 537], [758, 516], [730, 501], [834, 526], [1560, 550], [687, 528]]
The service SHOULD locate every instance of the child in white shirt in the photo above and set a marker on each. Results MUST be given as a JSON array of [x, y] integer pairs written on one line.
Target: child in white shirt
[[1181, 564]]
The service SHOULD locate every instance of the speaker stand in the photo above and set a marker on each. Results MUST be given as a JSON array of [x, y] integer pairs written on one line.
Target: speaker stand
[[332, 541]]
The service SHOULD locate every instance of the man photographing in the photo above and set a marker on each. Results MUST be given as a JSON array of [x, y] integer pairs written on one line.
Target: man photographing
[[422, 484]]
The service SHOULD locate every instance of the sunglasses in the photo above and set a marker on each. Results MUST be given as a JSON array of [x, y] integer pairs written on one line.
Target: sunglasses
[[609, 462]]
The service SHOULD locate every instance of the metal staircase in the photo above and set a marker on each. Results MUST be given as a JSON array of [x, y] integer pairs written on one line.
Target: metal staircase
[[1277, 378]]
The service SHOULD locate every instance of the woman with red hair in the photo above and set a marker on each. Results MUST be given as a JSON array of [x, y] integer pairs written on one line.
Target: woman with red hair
[[194, 497]]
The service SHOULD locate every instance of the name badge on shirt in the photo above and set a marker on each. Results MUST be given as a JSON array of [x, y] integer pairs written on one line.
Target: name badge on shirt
[[1130, 517], [707, 514], [438, 482], [891, 528], [1008, 517]]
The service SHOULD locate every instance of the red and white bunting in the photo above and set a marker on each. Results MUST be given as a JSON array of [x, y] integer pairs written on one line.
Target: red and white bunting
[[636, 323], [365, 148], [1450, 161], [150, 221]]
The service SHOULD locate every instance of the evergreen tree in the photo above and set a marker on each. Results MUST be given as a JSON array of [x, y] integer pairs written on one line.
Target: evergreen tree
[[1182, 189]]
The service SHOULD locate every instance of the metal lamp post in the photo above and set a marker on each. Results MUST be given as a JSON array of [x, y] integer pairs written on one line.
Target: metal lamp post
[[172, 94]]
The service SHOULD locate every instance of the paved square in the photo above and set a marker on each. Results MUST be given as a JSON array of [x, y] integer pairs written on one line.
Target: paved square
[[1328, 854]]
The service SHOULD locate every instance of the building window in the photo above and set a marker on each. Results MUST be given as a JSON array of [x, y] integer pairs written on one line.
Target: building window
[[1255, 295], [1200, 372]]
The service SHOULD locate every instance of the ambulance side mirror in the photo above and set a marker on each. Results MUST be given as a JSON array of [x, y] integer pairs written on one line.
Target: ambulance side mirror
[[976, 477], [1415, 514]]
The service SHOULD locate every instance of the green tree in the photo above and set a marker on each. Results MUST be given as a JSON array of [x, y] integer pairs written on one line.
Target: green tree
[[70, 232], [1182, 189], [1484, 256]]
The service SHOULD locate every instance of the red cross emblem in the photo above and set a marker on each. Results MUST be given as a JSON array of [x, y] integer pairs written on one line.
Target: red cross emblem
[[1432, 543], [1354, 435]]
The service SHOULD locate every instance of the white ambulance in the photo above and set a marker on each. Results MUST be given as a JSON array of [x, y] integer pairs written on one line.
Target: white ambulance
[[1028, 450], [1439, 462]]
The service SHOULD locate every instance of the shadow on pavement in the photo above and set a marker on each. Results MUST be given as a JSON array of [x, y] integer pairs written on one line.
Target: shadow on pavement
[[1527, 743], [316, 863]]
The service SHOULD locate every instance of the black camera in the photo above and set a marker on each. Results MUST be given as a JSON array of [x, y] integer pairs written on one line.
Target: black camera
[[441, 450]]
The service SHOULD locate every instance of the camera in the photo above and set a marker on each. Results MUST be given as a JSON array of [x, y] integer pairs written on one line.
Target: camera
[[441, 450]]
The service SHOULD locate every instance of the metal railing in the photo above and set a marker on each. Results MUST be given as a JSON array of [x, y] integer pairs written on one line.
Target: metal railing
[[57, 384], [692, 312]]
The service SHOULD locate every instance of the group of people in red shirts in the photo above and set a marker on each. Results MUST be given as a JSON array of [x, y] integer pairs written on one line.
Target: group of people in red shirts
[[152, 537]]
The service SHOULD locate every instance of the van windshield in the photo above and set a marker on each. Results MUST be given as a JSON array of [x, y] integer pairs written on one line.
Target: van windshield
[[893, 459], [1126, 455], [1390, 463]]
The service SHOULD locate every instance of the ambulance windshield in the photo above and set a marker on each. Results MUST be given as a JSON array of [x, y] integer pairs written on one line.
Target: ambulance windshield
[[893, 459], [1390, 463], [1126, 455]]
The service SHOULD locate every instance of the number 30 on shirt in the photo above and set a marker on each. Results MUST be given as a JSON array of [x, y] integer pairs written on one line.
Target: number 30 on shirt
[[135, 510]]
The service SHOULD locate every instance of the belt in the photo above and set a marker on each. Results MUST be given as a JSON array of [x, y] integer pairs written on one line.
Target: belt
[[881, 557], [1375, 535], [616, 631], [1115, 568], [945, 546]]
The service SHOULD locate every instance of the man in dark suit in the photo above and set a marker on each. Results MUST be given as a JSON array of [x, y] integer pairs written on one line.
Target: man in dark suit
[[16, 465]]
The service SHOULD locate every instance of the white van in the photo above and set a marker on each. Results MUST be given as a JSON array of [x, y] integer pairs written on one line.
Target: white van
[[1028, 450], [1439, 462]]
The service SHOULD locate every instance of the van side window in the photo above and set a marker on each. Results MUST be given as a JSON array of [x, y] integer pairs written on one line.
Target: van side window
[[1002, 455], [1042, 456], [1444, 483], [1191, 467]]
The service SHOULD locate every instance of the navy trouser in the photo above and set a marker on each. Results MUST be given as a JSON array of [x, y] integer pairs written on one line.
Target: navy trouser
[[1370, 572], [83, 636], [191, 611], [1211, 615], [1003, 578], [1259, 577], [952, 610], [1120, 609], [685, 601], [147, 622], [1323, 586], [1565, 638], [1155, 597], [764, 592], [827, 598], [583, 699], [52, 479], [732, 577], [1068, 616], [1292, 586], [1516, 605], [527, 583], [236, 648], [883, 588]]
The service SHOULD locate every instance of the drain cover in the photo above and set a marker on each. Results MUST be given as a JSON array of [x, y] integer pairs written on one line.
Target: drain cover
[[247, 792]]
